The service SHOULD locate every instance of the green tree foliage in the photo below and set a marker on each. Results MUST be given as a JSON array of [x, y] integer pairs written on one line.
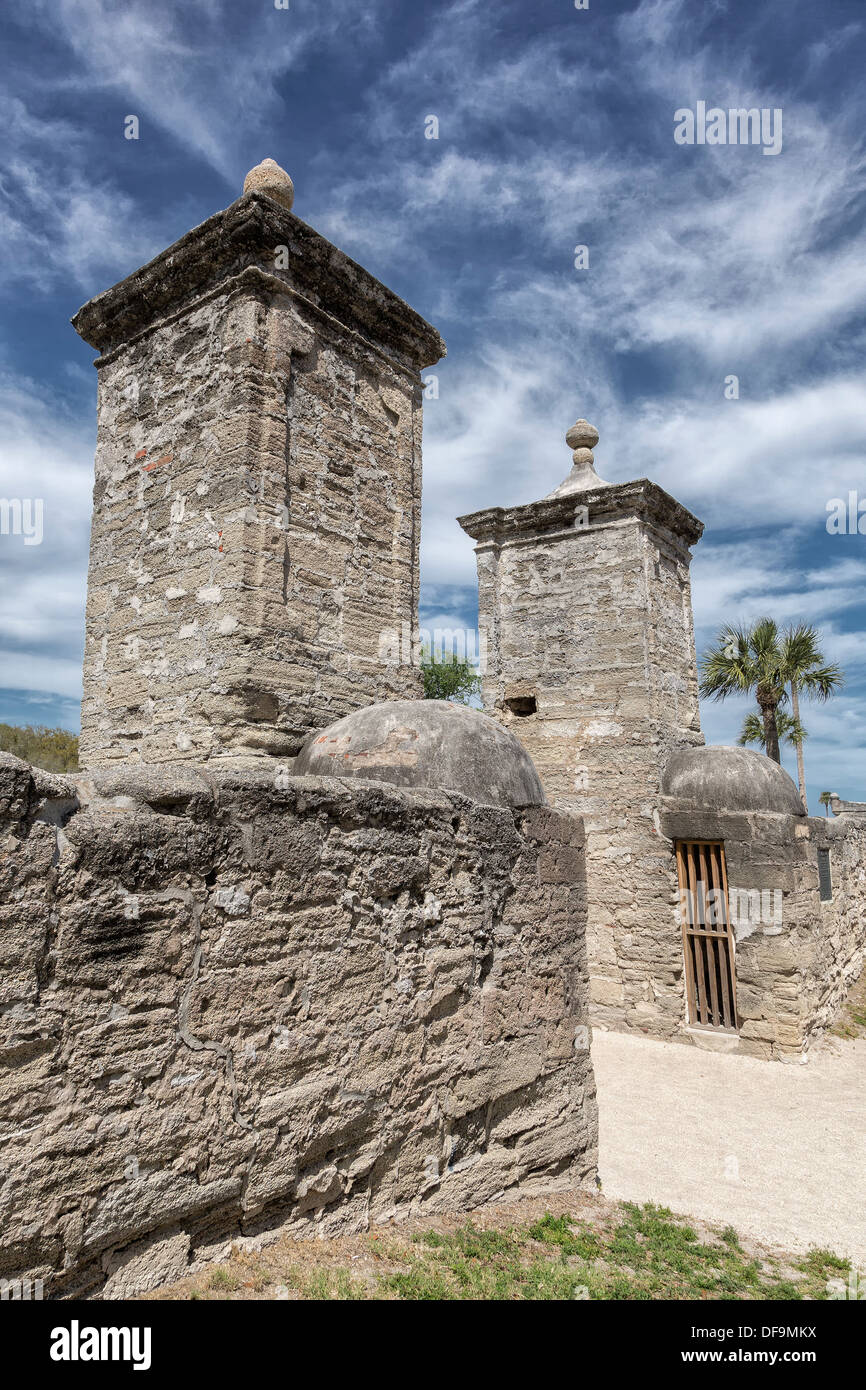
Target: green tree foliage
[[803, 661], [448, 677], [775, 665], [55, 750], [789, 729]]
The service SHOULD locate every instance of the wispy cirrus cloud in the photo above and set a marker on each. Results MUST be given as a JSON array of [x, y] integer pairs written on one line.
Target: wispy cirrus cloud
[[46, 456], [198, 74], [556, 129]]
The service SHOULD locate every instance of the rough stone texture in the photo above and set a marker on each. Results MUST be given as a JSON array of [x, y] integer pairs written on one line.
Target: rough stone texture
[[586, 604], [234, 1000], [719, 778], [792, 973], [854, 810], [426, 743], [269, 178], [257, 498], [839, 951], [795, 963], [585, 600]]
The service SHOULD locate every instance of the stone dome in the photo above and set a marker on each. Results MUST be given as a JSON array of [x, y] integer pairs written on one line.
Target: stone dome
[[426, 743], [730, 779]]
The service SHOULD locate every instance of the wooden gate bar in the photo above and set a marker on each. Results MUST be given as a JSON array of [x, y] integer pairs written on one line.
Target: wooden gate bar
[[697, 948], [731, 955], [722, 899], [708, 943]]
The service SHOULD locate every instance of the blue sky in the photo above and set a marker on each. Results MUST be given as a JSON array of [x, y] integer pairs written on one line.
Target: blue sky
[[555, 130]]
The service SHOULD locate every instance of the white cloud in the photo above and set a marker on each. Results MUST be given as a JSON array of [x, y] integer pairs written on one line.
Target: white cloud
[[702, 263], [207, 74], [46, 454], [60, 219], [745, 580]]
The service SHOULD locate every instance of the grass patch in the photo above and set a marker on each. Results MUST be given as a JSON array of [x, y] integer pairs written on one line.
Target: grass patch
[[572, 1237], [852, 1019], [647, 1254], [331, 1285], [624, 1251]]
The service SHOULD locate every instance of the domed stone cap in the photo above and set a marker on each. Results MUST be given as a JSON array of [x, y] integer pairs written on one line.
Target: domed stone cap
[[269, 178], [426, 743], [730, 779]]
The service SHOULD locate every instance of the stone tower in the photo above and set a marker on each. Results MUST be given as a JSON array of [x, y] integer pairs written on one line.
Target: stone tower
[[254, 550], [585, 603]]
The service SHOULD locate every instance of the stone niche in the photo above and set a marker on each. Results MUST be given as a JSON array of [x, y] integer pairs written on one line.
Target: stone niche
[[796, 954], [256, 510], [237, 1001]]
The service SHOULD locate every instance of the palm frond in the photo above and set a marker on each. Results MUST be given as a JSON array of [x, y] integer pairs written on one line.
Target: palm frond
[[789, 729]]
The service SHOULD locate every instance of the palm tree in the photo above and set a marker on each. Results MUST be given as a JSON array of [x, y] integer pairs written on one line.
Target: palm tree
[[789, 729], [746, 660], [762, 659], [825, 798], [807, 671]]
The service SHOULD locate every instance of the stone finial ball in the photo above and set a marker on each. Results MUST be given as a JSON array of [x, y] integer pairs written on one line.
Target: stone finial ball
[[582, 435], [269, 178]]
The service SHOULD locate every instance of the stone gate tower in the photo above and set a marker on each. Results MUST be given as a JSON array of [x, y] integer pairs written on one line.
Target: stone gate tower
[[585, 602], [258, 491]]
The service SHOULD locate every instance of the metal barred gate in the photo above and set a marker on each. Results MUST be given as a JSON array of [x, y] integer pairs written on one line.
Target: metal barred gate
[[708, 940]]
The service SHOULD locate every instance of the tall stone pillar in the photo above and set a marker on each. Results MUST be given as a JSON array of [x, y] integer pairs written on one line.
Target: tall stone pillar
[[254, 551], [585, 602]]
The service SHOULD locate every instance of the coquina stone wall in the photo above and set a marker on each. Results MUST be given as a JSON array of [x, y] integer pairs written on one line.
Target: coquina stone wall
[[795, 956], [840, 949], [239, 1001], [257, 502], [585, 601]]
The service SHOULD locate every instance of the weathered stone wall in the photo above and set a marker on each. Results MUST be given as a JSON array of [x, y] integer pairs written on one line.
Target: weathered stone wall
[[840, 947], [796, 957], [257, 498], [234, 1001], [586, 603]]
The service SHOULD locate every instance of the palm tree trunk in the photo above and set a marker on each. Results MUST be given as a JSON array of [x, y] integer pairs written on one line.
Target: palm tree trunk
[[801, 767], [771, 733]]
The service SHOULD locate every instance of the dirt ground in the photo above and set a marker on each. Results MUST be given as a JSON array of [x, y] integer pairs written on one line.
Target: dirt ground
[[774, 1149], [554, 1246]]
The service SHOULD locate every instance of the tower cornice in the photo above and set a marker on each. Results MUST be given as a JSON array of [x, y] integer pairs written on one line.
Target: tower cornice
[[247, 234], [641, 500]]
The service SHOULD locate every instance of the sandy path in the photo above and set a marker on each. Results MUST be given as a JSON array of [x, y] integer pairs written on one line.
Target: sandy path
[[776, 1150]]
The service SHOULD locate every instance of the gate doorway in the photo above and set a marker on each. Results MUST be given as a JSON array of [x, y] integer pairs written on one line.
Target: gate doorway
[[708, 941]]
